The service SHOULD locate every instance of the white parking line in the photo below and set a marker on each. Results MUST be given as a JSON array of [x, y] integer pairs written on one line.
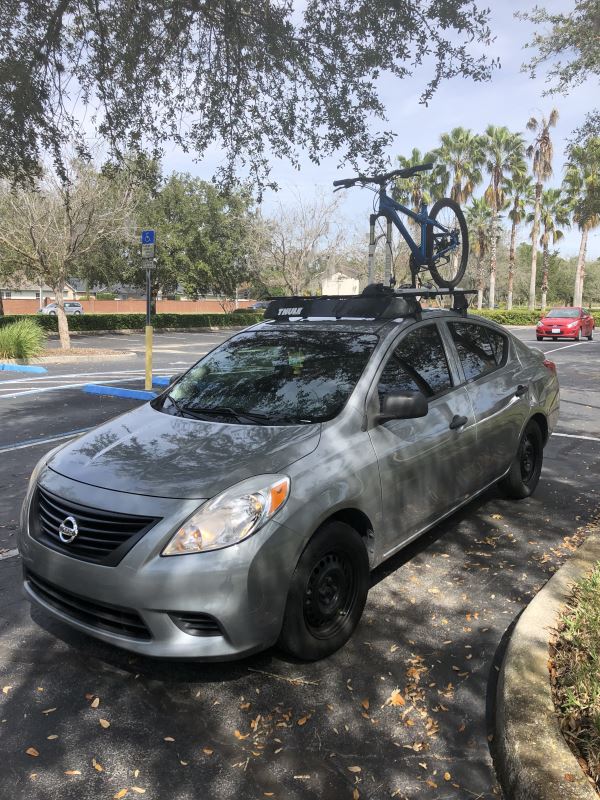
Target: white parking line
[[9, 554], [38, 442], [578, 436], [565, 347]]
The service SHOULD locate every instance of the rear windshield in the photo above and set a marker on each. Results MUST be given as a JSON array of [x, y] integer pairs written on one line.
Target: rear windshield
[[564, 313], [274, 377]]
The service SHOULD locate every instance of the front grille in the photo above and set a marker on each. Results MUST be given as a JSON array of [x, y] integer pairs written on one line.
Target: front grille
[[103, 616], [103, 537], [197, 624]]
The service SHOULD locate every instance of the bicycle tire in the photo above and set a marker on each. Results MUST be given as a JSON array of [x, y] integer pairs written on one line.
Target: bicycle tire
[[448, 283]]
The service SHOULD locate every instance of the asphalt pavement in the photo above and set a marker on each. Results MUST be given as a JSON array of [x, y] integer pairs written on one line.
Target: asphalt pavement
[[435, 625]]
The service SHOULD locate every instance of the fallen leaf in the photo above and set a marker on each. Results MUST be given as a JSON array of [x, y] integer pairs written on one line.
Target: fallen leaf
[[169, 739], [95, 702], [138, 790], [569, 776], [365, 704], [136, 772], [105, 724], [395, 699], [431, 783], [461, 727], [31, 751], [447, 776], [52, 736], [72, 772], [354, 769], [121, 793], [303, 720], [245, 706], [184, 763], [48, 710], [98, 767], [239, 735], [393, 648], [208, 751], [355, 794], [6, 689]]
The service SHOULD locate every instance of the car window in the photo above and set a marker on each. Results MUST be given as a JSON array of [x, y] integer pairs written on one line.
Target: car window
[[562, 313], [418, 363], [479, 349], [283, 376]]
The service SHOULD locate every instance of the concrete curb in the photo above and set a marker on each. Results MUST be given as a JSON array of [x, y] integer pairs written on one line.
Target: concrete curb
[[532, 755], [20, 366]]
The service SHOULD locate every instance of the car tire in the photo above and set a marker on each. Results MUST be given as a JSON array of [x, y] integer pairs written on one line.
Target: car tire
[[75, 313], [555, 338], [590, 336], [52, 313], [327, 593], [524, 472], [540, 338]]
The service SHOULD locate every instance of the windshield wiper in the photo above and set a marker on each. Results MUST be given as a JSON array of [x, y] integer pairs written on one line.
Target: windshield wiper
[[225, 411]]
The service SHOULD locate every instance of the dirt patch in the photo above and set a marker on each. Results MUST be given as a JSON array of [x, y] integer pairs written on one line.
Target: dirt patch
[[53, 352], [575, 674]]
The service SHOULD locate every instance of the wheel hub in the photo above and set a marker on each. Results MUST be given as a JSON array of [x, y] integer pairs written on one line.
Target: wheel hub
[[527, 459], [329, 594]]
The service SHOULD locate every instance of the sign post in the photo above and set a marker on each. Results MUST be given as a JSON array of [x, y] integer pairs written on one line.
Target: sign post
[[148, 251]]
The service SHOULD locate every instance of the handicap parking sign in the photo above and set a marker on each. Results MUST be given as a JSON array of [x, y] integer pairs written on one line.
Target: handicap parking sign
[[147, 237]]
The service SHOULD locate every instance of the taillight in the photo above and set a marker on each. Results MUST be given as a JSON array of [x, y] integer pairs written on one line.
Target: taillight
[[550, 365]]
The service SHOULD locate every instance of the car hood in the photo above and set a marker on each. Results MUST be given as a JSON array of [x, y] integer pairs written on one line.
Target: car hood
[[151, 453]]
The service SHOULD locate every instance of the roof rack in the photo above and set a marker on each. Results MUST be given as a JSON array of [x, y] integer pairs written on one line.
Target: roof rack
[[375, 302]]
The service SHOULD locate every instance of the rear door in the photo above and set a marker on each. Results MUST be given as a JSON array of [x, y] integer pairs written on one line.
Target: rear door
[[426, 466], [499, 390]]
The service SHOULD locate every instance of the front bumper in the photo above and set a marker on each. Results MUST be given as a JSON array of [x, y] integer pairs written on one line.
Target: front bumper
[[563, 333], [243, 587]]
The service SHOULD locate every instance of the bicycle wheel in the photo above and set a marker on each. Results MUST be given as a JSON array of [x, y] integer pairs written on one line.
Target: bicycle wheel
[[447, 270]]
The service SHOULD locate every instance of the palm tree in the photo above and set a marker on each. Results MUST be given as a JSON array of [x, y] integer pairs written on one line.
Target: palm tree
[[519, 191], [541, 152], [479, 222], [421, 188], [504, 155], [582, 185], [459, 159], [554, 211]]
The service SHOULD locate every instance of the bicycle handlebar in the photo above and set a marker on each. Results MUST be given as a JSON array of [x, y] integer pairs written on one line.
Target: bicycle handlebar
[[347, 183]]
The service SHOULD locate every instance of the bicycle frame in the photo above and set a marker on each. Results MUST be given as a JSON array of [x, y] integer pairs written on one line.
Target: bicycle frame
[[389, 208]]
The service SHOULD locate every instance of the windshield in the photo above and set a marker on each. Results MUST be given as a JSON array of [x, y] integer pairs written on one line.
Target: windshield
[[275, 377], [564, 313]]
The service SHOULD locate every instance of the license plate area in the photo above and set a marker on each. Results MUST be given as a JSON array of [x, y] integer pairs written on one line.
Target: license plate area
[[555, 330]]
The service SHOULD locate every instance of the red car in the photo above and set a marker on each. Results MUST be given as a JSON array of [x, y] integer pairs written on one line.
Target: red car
[[572, 323]]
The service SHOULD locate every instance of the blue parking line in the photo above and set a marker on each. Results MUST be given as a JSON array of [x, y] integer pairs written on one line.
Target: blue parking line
[[23, 368], [117, 391], [161, 381]]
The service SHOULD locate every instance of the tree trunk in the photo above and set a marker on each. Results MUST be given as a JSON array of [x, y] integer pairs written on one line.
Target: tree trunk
[[580, 272], [1, 305], [545, 276], [493, 259], [534, 237], [63, 323], [479, 284], [511, 266]]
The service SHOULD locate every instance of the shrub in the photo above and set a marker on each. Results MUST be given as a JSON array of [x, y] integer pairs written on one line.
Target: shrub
[[512, 317], [23, 339], [111, 322]]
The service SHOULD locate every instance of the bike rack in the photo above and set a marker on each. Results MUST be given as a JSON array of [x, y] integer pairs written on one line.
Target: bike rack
[[376, 302]]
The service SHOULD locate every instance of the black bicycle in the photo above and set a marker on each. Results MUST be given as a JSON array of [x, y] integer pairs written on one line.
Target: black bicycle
[[444, 246]]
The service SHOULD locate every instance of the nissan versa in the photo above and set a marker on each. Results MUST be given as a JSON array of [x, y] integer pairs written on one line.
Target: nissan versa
[[246, 505]]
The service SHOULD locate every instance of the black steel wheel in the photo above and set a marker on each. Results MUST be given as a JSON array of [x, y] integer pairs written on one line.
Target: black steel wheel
[[524, 473], [327, 593]]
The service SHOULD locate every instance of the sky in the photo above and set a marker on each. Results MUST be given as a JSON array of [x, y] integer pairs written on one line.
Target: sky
[[510, 98]]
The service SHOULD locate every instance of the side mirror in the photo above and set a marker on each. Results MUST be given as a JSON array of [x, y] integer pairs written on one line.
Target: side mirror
[[403, 405]]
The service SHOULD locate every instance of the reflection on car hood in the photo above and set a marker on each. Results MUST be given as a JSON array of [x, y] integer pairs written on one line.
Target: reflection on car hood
[[148, 452]]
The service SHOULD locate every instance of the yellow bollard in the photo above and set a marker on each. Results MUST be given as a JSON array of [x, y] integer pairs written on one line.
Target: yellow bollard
[[148, 384]]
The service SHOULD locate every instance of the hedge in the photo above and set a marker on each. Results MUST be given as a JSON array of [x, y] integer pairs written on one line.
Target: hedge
[[514, 317], [110, 322]]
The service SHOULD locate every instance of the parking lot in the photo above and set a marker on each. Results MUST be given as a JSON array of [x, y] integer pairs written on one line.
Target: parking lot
[[434, 627]]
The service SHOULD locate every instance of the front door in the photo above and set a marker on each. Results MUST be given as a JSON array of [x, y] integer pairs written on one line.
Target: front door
[[426, 465]]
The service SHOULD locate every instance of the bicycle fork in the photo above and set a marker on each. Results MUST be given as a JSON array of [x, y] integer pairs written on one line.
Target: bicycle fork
[[387, 274]]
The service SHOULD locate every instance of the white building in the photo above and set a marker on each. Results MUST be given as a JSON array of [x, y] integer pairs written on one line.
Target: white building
[[339, 283]]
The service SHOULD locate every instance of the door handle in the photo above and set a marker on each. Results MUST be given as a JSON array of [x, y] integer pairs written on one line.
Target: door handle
[[457, 422], [521, 390]]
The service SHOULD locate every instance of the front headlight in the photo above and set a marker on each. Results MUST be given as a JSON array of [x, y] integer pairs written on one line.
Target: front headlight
[[540, 324], [231, 516], [572, 324]]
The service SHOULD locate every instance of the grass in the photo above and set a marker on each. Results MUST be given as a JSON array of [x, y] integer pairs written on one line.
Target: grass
[[23, 340], [575, 673]]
